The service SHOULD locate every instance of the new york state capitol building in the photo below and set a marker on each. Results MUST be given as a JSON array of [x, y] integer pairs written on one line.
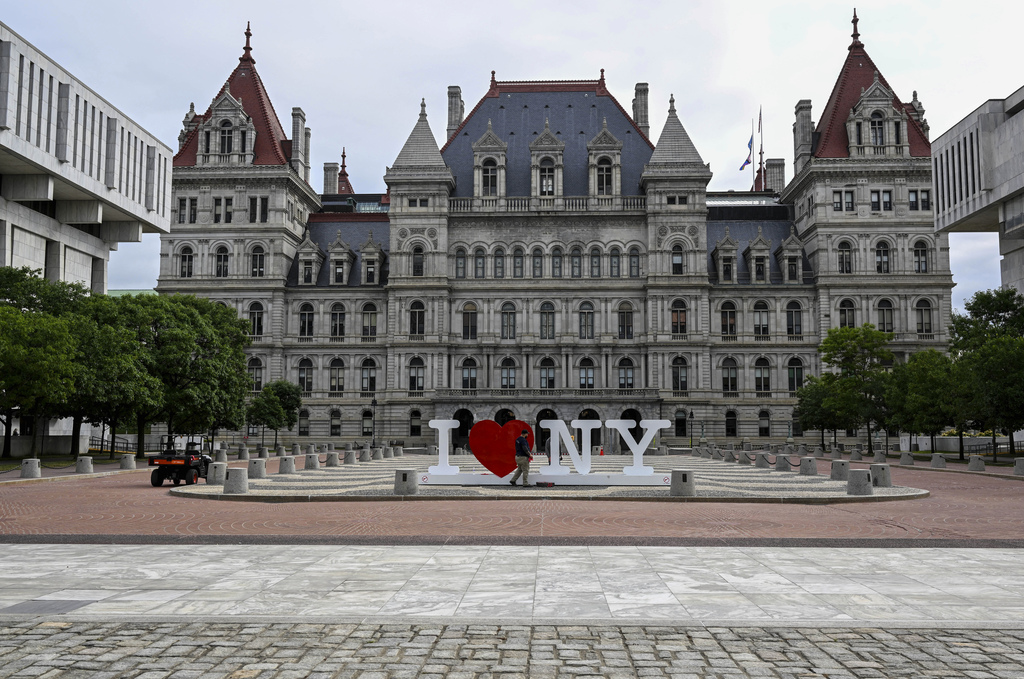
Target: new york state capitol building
[[552, 261]]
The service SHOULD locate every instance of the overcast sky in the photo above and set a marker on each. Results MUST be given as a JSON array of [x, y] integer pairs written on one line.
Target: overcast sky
[[359, 69]]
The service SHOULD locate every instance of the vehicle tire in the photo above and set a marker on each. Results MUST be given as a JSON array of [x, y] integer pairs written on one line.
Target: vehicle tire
[[156, 478], [191, 476], [176, 480]]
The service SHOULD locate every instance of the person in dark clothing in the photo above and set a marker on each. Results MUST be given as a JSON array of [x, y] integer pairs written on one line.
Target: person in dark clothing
[[522, 459]]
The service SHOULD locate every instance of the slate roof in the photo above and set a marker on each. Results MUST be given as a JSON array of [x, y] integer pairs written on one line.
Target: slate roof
[[574, 109], [674, 144], [420, 148], [744, 231], [271, 147], [355, 228]]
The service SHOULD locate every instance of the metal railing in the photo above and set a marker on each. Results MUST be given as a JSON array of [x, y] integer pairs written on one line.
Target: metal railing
[[548, 203]]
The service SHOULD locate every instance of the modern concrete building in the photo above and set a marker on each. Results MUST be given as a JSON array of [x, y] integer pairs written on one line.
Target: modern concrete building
[[77, 176], [978, 173]]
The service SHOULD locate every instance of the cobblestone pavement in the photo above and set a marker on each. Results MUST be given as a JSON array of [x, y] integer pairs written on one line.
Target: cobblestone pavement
[[65, 650]]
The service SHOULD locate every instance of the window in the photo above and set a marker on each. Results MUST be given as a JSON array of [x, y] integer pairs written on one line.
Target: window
[[887, 200], [556, 263], [848, 201], [538, 264], [877, 129], [920, 257], [303, 423], [547, 177], [882, 257], [898, 130], [252, 209], [368, 423], [912, 203], [416, 318], [255, 367], [547, 374], [926, 203], [306, 375], [759, 268], [885, 315], [416, 370], [371, 271], [586, 320], [306, 320], [595, 263], [417, 261], [508, 320], [182, 210], [229, 211], [460, 263], [576, 263], [368, 376], [586, 374], [625, 321], [469, 374], [257, 261], [469, 321], [924, 316], [604, 177], [336, 374], [729, 376], [634, 263], [256, 319], [424, 202], [370, 320], [517, 263], [479, 264], [678, 317], [680, 421], [335, 423], [876, 201], [679, 374], [225, 137], [508, 374], [186, 262], [764, 423], [792, 270], [499, 263], [677, 260], [845, 257], [206, 135], [847, 315], [264, 209], [415, 424], [762, 376], [726, 268], [761, 319], [216, 210], [795, 368], [307, 271], [489, 178], [547, 320], [730, 422], [193, 208], [614, 263], [729, 319], [794, 319], [837, 201], [626, 373]]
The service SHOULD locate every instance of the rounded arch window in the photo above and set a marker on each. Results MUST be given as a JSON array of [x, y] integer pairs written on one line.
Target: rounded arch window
[[634, 263], [499, 263], [415, 423], [469, 306], [761, 306], [517, 263], [677, 259], [417, 261], [764, 423], [469, 362], [337, 363], [221, 262], [337, 307], [845, 257], [920, 257], [222, 250], [489, 177], [728, 306], [586, 320], [255, 306], [794, 319], [305, 363], [547, 177], [588, 362], [415, 361], [595, 263], [556, 263], [508, 306], [547, 362], [303, 423], [794, 306], [369, 306], [847, 314], [369, 363], [460, 263], [547, 306], [479, 263], [416, 305], [576, 263], [336, 375], [730, 423], [306, 375], [678, 310], [762, 375], [226, 137], [306, 317], [508, 320], [537, 263], [729, 363], [604, 176], [258, 250], [306, 307], [626, 362], [615, 263], [626, 376], [882, 264], [923, 312], [508, 362]]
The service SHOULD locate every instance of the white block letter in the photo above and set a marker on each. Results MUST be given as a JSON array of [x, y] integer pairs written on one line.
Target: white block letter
[[443, 428], [651, 428], [560, 434]]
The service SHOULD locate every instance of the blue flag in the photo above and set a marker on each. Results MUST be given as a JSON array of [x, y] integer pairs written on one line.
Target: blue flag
[[750, 153]]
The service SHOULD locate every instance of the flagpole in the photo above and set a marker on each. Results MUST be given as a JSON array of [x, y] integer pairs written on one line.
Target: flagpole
[[760, 129], [753, 172]]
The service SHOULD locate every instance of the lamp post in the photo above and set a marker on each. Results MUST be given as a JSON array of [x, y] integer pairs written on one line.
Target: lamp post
[[691, 428], [373, 423], [789, 435]]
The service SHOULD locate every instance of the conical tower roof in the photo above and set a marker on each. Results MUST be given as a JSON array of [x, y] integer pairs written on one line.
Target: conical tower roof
[[674, 145], [420, 148]]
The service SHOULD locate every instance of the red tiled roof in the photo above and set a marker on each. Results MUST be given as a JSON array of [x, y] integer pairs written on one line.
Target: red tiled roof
[[244, 83], [344, 185], [858, 73]]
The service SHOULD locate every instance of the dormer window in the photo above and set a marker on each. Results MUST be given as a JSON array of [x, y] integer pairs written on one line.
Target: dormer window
[[877, 131], [226, 137], [489, 178], [759, 269], [547, 177], [339, 272], [604, 177], [371, 271], [307, 271]]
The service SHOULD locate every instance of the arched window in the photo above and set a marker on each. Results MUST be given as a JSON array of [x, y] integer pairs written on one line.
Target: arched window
[[337, 321], [679, 374], [416, 318], [508, 374], [677, 260], [764, 423], [368, 376], [415, 424], [920, 257], [761, 312], [796, 375], [499, 263], [762, 376], [335, 423], [728, 319], [576, 263], [847, 314], [794, 320], [489, 178], [586, 320], [547, 373], [369, 320], [678, 317], [845, 252], [729, 371], [877, 129], [882, 257], [255, 367], [508, 320], [680, 420], [187, 261], [538, 263], [517, 263], [634, 263], [303, 423], [547, 177], [615, 263], [625, 320], [416, 370], [556, 263], [479, 263], [604, 177], [368, 423], [469, 321], [547, 320], [336, 374], [417, 261], [469, 374], [306, 320], [625, 373], [306, 375], [924, 316], [460, 263], [256, 319], [595, 263], [885, 316], [257, 260], [730, 423], [586, 374], [225, 137], [221, 267]]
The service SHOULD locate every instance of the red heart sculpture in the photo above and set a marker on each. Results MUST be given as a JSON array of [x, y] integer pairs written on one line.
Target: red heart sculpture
[[495, 446]]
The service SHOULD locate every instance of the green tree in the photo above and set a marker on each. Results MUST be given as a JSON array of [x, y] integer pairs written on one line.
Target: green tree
[[265, 410], [990, 313], [290, 397], [811, 409], [921, 394], [25, 289]]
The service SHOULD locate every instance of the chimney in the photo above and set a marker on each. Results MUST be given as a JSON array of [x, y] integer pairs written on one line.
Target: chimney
[[298, 140], [640, 109], [775, 174], [456, 109], [803, 131], [330, 179], [305, 155]]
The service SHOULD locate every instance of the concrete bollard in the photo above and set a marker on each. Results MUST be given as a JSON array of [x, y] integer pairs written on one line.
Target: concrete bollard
[[377, 454], [257, 468], [332, 459], [349, 446], [264, 452], [311, 449], [460, 451], [856, 455], [217, 473], [350, 457], [330, 447], [840, 470], [819, 451], [881, 476], [976, 464], [837, 454], [682, 483], [312, 461], [399, 451], [907, 459], [243, 453], [237, 481], [296, 449], [808, 466], [30, 469], [729, 456], [1018, 466], [287, 465], [782, 464], [744, 457], [128, 461], [880, 457], [707, 454], [801, 450], [859, 482], [938, 461], [389, 452], [762, 461], [406, 482], [83, 465], [364, 455], [432, 450], [221, 456], [719, 455], [279, 450]]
